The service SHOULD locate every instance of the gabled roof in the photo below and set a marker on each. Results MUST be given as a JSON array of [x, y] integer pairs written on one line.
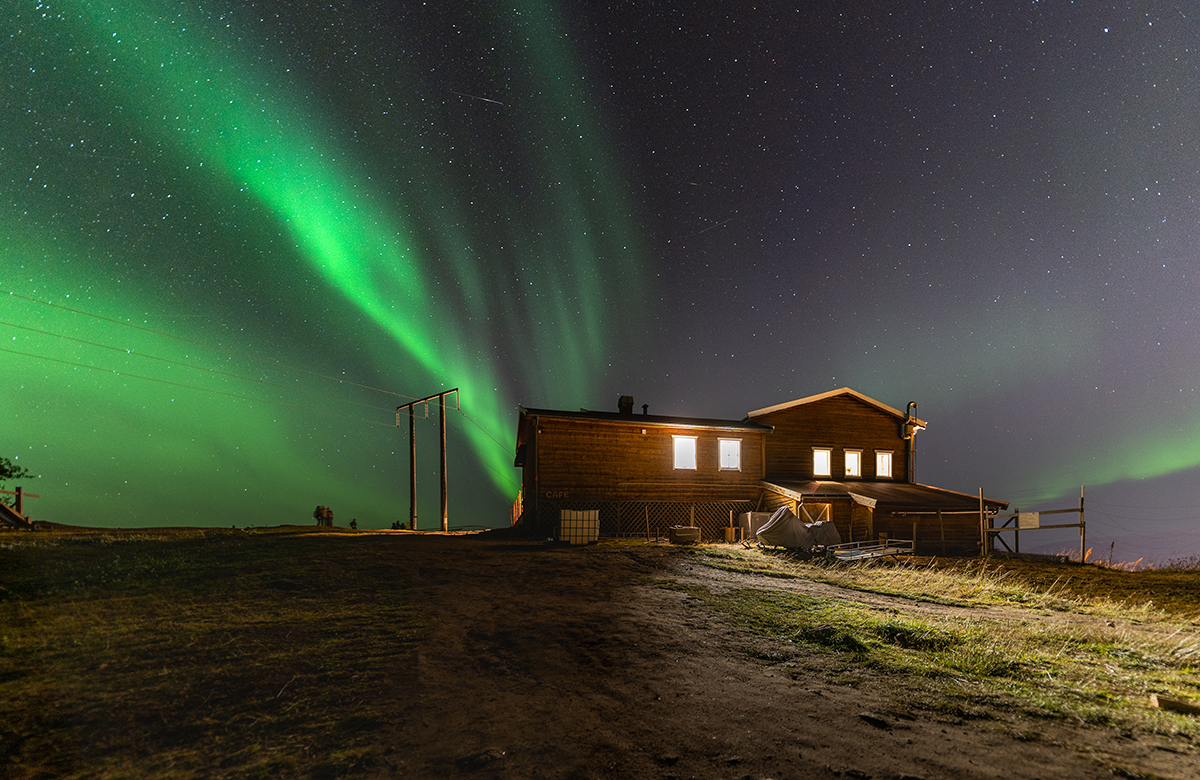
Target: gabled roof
[[893, 495], [648, 419], [833, 394], [619, 418]]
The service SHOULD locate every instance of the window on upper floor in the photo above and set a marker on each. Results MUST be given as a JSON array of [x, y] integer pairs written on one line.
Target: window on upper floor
[[822, 461], [685, 452], [731, 454], [883, 465], [853, 463]]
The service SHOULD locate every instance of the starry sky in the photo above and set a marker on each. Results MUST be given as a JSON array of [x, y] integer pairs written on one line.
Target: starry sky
[[236, 236]]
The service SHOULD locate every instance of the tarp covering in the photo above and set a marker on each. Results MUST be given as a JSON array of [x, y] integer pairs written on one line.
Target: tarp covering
[[784, 529], [825, 533]]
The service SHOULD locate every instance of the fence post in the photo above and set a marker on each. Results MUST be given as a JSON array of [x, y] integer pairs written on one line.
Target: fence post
[[1082, 525], [983, 541], [1017, 533], [942, 526]]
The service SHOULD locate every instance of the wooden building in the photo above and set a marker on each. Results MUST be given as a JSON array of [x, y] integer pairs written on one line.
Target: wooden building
[[641, 473], [839, 455]]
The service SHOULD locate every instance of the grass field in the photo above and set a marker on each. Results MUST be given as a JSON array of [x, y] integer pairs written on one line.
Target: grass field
[[196, 653], [173, 651], [1075, 641]]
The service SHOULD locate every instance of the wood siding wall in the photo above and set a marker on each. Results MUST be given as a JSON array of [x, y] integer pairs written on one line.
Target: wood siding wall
[[588, 460], [949, 535], [839, 423]]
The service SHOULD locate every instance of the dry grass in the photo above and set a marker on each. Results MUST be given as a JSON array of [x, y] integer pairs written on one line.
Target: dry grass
[[1036, 583], [1096, 642], [220, 653], [200, 654]]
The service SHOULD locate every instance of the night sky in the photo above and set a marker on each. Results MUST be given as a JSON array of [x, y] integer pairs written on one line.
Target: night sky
[[236, 236]]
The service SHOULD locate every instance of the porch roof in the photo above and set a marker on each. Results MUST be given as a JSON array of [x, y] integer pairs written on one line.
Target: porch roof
[[894, 496]]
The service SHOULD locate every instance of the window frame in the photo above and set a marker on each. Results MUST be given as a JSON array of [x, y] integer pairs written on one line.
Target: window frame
[[890, 472], [857, 458], [737, 454], [828, 452], [676, 439]]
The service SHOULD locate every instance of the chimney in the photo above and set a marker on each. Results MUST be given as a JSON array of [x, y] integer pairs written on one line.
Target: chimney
[[645, 408], [625, 404]]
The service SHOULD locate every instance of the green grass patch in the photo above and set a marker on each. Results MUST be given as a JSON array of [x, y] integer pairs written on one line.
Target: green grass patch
[[1094, 670]]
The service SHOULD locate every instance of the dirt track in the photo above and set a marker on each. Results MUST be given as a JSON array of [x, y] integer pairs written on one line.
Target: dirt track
[[557, 662]]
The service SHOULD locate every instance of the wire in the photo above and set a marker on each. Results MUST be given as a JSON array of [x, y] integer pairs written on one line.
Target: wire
[[503, 446], [502, 476], [278, 364], [1092, 501], [485, 433], [186, 365], [193, 387], [207, 346]]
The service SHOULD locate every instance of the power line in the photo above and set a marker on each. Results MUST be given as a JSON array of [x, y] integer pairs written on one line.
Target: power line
[[193, 387], [123, 350], [207, 346], [485, 432], [235, 353]]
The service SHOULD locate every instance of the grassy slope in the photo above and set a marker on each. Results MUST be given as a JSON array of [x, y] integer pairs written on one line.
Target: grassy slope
[[1079, 642], [196, 654], [274, 653]]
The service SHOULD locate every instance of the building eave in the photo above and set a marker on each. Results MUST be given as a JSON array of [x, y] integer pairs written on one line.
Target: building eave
[[833, 394], [647, 420], [892, 495]]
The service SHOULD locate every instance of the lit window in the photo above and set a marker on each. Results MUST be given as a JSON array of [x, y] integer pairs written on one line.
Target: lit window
[[731, 454], [883, 465], [685, 452], [822, 459], [853, 463]]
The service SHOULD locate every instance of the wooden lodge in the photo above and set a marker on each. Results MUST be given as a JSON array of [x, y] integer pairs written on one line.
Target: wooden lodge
[[839, 456]]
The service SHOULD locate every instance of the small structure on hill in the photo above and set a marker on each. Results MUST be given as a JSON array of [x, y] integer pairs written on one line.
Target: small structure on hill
[[838, 456]]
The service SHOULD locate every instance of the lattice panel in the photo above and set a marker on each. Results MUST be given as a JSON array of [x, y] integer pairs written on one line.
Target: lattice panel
[[651, 519]]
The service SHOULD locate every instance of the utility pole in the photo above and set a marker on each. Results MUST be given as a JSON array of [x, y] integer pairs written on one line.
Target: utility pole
[[412, 454], [412, 470], [442, 425]]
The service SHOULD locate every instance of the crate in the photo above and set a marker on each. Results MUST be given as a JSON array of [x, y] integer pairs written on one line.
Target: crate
[[579, 526], [683, 534]]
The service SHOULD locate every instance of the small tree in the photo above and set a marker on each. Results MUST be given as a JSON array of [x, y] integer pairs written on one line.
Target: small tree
[[10, 470]]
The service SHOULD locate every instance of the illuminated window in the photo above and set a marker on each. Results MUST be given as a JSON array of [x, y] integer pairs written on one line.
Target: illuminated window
[[853, 463], [685, 452], [883, 465], [822, 460], [731, 454]]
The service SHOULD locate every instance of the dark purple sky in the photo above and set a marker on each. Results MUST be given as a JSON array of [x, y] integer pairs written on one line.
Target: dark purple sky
[[988, 209]]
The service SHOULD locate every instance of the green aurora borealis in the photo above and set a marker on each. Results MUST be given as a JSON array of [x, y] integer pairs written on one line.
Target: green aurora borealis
[[171, 121], [238, 235]]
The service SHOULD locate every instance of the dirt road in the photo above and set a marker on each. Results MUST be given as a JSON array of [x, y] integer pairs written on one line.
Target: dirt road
[[559, 662]]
